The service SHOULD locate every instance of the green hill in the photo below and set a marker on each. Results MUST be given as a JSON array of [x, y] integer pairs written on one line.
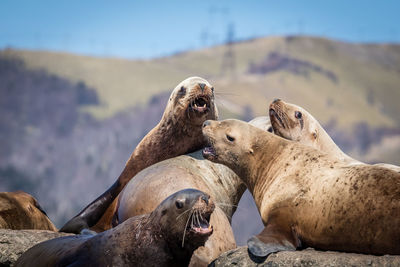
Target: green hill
[[336, 81]]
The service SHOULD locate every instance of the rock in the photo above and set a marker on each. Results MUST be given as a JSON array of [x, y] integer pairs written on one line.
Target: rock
[[308, 257], [15, 242]]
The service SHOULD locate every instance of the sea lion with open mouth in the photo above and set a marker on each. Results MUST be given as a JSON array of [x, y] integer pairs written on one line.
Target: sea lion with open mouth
[[295, 123], [178, 132], [307, 197], [165, 237]]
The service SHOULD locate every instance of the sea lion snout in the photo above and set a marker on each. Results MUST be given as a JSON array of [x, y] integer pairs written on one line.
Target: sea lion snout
[[202, 85]]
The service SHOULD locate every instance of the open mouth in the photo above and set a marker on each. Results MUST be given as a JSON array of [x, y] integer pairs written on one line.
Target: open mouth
[[208, 152], [200, 104], [275, 116], [200, 223]]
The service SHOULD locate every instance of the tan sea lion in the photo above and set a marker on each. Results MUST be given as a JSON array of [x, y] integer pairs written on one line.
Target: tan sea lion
[[178, 132], [295, 123], [150, 186], [307, 197], [165, 237], [20, 210]]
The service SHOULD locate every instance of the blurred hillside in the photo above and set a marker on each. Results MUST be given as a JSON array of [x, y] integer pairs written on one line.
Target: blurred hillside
[[68, 123]]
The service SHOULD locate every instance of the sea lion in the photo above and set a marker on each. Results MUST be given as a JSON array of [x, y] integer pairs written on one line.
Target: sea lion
[[158, 181], [165, 237], [150, 186], [307, 197], [295, 123], [178, 132], [20, 210]]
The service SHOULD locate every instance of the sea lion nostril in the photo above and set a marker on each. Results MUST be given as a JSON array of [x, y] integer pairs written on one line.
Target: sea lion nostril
[[202, 85], [271, 112], [276, 100], [206, 123], [205, 198]]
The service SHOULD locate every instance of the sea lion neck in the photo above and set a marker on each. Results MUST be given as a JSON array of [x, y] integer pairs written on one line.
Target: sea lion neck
[[167, 134], [327, 145], [262, 166]]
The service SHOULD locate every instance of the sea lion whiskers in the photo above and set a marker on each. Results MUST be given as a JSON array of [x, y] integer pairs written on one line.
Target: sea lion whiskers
[[227, 205], [197, 213], [184, 230], [183, 213]]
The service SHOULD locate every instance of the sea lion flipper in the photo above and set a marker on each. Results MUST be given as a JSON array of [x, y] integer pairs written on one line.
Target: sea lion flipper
[[270, 240], [75, 225]]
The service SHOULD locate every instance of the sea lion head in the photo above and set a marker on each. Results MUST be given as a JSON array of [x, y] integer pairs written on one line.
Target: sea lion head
[[293, 122], [228, 142], [193, 101], [185, 217]]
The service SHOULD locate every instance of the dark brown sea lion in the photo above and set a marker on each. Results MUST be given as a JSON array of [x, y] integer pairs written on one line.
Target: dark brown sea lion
[[307, 197], [295, 123], [165, 237], [178, 132], [19, 210]]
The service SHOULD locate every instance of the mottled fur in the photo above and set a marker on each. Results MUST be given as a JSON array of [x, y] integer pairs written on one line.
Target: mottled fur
[[307, 197]]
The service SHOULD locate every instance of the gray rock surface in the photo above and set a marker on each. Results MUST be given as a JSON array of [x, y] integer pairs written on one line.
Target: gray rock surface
[[15, 242], [307, 257]]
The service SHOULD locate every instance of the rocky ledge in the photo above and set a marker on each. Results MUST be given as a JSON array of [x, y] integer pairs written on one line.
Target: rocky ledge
[[307, 257], [15, 242]]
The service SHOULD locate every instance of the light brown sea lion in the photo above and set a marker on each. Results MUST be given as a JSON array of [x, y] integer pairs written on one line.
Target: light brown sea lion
[[150, 186], [295, 123], [178, 132], [307, 197], [19, 210], [165, 237]]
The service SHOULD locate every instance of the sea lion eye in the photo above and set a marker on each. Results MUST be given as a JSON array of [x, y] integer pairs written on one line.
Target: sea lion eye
[[179, 204], [298, 114], [230, 138]]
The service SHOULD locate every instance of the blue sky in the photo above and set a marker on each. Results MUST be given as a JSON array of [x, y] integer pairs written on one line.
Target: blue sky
[[145, 29]]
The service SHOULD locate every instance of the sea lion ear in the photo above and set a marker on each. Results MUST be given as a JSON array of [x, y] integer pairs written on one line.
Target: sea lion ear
[[314, 134]]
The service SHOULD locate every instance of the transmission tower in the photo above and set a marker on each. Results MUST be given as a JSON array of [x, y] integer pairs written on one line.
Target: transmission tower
[[228, 65]]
